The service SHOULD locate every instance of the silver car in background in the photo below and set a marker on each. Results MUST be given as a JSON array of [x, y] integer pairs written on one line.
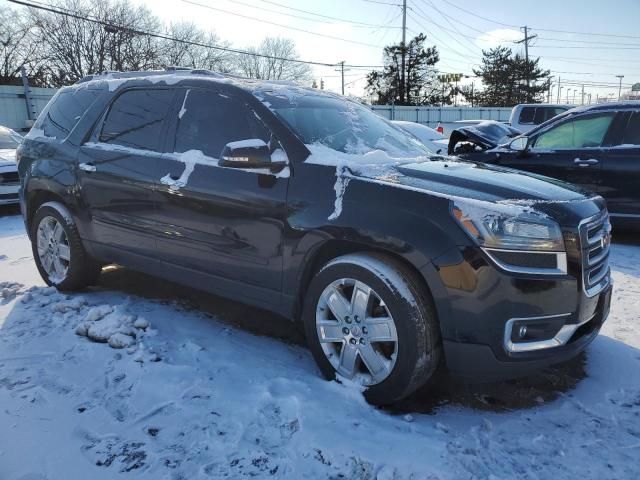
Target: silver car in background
[[9, 180]]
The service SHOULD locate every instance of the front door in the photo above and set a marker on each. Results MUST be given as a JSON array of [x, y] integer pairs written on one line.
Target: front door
[[573, 151], [225, 222], [117, 170]]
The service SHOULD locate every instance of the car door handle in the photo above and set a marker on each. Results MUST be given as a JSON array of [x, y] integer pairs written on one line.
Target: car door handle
[[586, 163], [87, 167]]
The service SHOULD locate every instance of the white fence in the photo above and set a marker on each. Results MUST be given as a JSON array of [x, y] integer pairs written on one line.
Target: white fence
[[13, 105], [445, 116]]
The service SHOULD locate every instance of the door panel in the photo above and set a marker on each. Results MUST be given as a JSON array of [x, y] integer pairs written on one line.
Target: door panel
[[226, 222], [117, 169], [120, 196]]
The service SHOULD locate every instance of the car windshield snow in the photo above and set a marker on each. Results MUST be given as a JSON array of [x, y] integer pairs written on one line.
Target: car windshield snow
[[342, 125]]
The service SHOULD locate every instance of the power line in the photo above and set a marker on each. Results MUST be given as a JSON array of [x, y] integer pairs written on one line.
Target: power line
[[248, 17], [166, 37], [474, 14], [321, 15]]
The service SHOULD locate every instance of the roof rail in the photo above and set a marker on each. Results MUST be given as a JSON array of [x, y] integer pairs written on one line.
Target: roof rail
[[113, 74]]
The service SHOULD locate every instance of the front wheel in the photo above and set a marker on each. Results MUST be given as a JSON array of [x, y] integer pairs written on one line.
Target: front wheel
[[58, 251], [368, 319]]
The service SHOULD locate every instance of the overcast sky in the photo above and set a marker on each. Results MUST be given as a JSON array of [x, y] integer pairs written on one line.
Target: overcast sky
[[459, 28]]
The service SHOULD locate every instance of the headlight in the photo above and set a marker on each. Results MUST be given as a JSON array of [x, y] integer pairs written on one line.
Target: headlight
[[508, 227]]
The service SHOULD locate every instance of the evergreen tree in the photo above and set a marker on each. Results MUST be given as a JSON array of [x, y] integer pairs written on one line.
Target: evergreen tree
[[420, 86], [505, 76]]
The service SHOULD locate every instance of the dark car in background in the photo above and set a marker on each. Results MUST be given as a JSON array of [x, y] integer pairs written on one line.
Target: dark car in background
[[308, 204], [596, 147]]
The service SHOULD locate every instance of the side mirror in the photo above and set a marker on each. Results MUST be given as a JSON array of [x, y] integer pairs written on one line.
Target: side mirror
[[519, 144], [252, 153]]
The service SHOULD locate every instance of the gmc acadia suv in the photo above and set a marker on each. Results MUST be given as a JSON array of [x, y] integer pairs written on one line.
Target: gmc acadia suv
[[308, 204]]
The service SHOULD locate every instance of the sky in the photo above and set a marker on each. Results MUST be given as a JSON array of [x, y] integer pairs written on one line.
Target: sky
[[459, 28]]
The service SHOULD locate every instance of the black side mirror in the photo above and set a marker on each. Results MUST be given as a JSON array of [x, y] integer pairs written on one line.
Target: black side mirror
[[252, 153]]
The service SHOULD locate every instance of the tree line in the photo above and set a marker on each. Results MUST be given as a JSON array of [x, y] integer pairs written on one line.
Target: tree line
[[100, 35], [507, 79]]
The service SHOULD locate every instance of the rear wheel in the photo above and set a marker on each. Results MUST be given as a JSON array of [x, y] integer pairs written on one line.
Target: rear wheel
[[58, 251], [368, 319]]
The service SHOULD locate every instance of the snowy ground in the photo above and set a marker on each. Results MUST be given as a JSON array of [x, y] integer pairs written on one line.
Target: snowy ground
[[213, 389]]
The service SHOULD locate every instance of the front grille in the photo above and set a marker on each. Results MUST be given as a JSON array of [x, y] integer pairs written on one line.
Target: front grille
[[595, 240], [9, 178]]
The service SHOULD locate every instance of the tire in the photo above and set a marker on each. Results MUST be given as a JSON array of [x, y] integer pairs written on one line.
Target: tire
[[60, 257], [395, 293]]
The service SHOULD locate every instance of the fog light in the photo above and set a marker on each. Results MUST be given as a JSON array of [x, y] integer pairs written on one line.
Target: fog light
[[523, 331]]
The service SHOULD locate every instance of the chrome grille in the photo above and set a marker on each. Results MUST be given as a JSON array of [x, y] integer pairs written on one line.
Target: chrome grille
[[9, 178], [595, 240]]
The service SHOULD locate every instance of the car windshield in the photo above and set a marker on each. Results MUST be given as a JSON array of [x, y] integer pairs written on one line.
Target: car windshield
[[9, 139], [341, 125]]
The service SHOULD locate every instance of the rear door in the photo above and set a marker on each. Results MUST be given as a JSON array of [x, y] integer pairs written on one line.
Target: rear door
[[118, 166], [621, 169], [572, 150], [227, 223]]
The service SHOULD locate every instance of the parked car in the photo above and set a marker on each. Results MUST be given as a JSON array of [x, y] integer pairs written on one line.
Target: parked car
[[307, 204], [596, 147], [432, 139], [524, 117], [9, 181]]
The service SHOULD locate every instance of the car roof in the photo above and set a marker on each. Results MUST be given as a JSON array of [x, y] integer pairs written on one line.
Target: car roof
[[626, 105], [180, 75]]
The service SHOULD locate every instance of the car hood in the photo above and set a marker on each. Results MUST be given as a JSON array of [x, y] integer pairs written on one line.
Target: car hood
[[7, 157], [484, 135], [450, 177]]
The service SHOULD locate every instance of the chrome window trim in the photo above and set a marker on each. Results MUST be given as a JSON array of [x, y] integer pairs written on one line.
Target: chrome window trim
[[561, 262], [561, 338]]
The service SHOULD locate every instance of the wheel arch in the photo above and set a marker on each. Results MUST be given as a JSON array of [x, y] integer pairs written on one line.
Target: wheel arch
[[425, 275]]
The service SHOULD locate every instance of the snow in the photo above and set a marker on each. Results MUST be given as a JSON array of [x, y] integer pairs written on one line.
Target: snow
[[249, 143], [195, 397], [183, 110]]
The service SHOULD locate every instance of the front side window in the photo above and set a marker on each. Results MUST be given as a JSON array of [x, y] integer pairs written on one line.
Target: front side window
[[136, 119], [65, 110], [340, 124], [209, 120], [585, 132]]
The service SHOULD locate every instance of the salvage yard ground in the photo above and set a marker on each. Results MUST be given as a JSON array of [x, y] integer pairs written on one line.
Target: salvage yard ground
[[213, 389]]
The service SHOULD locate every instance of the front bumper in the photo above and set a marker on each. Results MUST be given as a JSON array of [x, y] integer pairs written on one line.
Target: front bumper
[[479, 363]]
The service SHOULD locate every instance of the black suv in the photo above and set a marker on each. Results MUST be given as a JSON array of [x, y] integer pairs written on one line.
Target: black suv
[[596, 147], [308, 204]]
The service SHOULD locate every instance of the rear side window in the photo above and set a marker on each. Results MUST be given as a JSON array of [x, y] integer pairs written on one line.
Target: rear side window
[[632, 132], [209, 120], [136, 119], [526, 115], [584, 132], [64, 112]]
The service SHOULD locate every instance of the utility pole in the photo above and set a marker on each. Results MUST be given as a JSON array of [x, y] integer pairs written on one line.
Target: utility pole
[[404, 49], [527, 39], [341, 70], [620, 88], [550, 89], [582, 97], [559, 87]]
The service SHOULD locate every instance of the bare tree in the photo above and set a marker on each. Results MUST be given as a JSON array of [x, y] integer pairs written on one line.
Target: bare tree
[[189, 50], [17, 48], [75, 47], [269, 61]]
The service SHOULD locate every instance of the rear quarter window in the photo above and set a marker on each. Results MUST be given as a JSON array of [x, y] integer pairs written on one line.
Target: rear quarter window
[[65, 110], [526, 115]]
